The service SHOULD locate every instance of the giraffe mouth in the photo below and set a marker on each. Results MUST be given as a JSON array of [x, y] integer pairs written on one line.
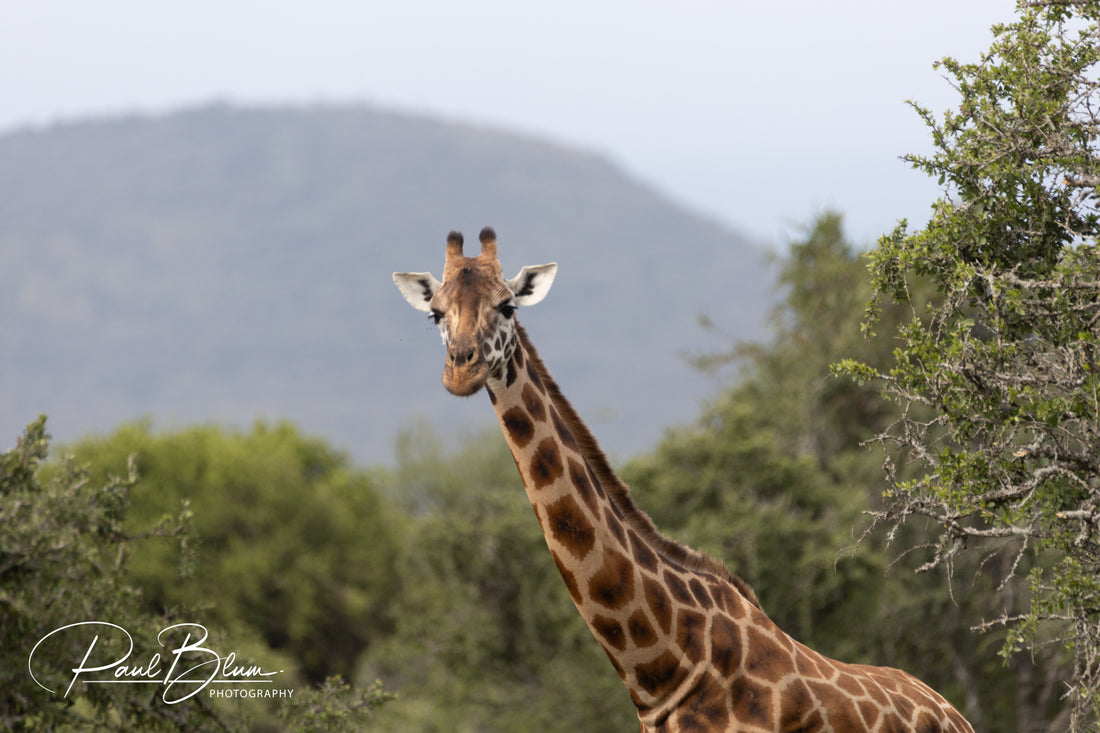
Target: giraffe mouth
[[466, 379]]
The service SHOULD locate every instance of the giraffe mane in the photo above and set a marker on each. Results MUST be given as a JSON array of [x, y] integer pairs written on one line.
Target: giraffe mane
[[619, 493]]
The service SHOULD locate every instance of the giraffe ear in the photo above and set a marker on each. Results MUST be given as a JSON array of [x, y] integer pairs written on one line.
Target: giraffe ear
[[533, 283], [417, 287]]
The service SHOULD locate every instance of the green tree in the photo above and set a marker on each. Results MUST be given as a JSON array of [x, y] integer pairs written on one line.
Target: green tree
[[774, 481], [769, 479], [70, 539], [997, 379], [63, 549], [291, 540]]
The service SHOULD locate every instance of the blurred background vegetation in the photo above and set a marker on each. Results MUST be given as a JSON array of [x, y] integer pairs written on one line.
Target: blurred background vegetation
[[429, 580]]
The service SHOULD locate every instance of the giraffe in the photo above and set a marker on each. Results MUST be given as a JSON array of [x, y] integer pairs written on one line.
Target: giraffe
[[688, 638]]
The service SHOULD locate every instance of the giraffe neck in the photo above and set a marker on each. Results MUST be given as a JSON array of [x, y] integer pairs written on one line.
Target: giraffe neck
[[688, 638], [631, 585]]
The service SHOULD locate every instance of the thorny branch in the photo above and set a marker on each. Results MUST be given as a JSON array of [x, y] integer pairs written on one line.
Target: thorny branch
[[998, 375]]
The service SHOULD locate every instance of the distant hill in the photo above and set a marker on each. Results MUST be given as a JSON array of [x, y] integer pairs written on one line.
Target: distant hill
[[225, 263]]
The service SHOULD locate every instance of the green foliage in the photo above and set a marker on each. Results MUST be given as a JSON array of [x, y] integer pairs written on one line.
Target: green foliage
[[334, 707], [997, 378], [63, 550], [291, 541], [69, 541], [774, 481], [768, 480]]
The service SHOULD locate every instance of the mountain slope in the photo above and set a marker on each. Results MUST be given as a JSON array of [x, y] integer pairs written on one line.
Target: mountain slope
[[226, 263]]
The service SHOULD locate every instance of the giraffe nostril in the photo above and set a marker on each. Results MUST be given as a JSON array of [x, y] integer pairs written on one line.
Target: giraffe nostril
[[462, 357]]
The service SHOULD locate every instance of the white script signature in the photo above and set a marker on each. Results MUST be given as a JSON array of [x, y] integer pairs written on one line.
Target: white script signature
[[191, 669]]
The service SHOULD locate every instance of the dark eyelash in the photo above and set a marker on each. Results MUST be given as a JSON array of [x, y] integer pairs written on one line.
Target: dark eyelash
[[435, 317], [507, 310]]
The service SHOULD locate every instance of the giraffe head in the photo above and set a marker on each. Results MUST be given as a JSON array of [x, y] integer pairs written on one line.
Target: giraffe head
[[474, 308]]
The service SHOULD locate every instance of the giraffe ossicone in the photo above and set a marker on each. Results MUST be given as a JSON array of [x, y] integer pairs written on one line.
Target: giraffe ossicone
[[686, 636]]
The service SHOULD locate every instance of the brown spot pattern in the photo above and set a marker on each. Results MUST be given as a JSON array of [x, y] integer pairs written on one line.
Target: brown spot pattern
[[570, 526], [691, 634], [894, 724], [921, 699], [596, 483], [807, 666], [904, 707], [849, 684], [841, 709], [765, 658], [678, 588], [644, 556], [725, 645], [796, 703], [811, 723], [519, 427], [613, 584], [533, 403], [876, 693], [661, 675], [700, 592], [579, 478], [611, 521], [926, 724], [610, 630], [569, 578], [533, 375], [562, 430], [546, 466], [513, 367], [727, 599], [869, 712], [888, 682], [641, 631], [705, 709], [659, 604], [752, 702]]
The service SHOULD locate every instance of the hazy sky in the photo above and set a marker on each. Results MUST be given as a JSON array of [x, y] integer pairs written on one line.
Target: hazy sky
[[759, 114]]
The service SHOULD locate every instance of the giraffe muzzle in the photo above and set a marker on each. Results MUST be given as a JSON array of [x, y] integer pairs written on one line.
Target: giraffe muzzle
[[464, 372], [462, 357]]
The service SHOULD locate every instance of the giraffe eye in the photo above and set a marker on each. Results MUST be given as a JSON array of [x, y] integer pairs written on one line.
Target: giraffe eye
[[436, 316], [507, 310]]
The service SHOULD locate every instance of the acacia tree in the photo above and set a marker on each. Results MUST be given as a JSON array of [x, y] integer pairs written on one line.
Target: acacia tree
[[998, 379]]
